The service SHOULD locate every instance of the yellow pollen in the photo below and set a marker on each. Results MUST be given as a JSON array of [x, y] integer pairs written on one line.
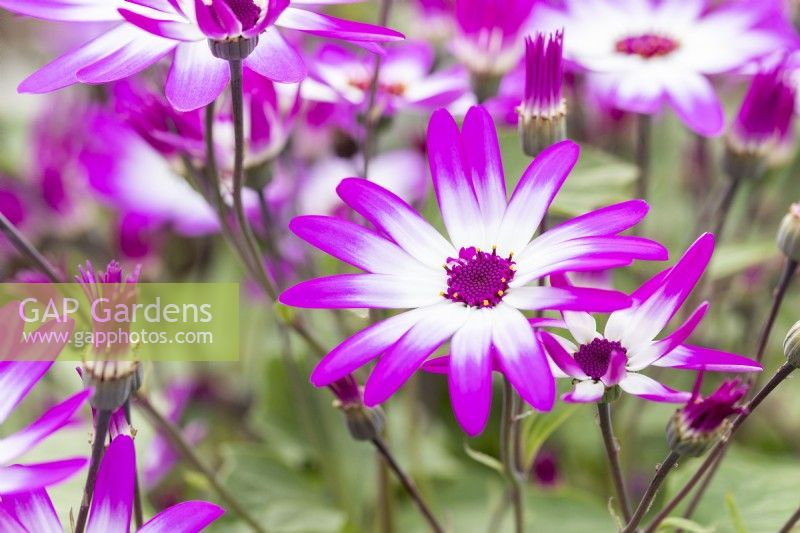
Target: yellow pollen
[[502, 280], [500, 293], [486, 303], [455, 295], [512, 267]]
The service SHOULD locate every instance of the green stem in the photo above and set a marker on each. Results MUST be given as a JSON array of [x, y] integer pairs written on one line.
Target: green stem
[[647, 500], [507, 456], [612, 451]]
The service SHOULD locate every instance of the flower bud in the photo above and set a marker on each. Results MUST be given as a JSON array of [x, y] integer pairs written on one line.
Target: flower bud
[[543, 112], [788, 238], [364, 423], [695, 427], [791, 345]]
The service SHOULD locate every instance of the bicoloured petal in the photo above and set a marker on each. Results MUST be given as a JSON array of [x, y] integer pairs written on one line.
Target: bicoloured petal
[[470, 375], [141, 51], [32, 510], [398, 220], [452, 182], [580, 324], [403, 358], [521, 358], [17, 378], [566, 298], [185, 517], [365, 345], [54, 419], [112, 503], [534, 194], [13, 326], [331, 27], [647, 355], [358, 246], [608, 220], [354, 291], [650, 389], [696, 103], [689, 357], [25, 478], [65, 10], [561, 357], [168, 28], [617, 368], [276, 59], [196, 78], [585, 392]]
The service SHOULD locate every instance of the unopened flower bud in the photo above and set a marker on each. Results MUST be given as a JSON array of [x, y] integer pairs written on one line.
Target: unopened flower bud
[[791, 345], [543, 111], [695, 427], [364, 423], [789, 233]]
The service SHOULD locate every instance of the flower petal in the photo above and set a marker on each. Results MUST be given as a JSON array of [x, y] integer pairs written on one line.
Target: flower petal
[[534, 194], [452, 183], [616, 368], [196, 78], [24, 478], [17, 378], [470, 376], [65, 10], [394, 217], [521, 357], [358, 246], [566, 298], [33, 510], [646, 356], [561, 357], [326, 26], [650, 389], [403, 358], [689, 357], [168, 28], [365, 345], [140, 52], [113, 493], [695, 102], [581, 325], [185, 517], [276, 59], [355, 291], [585, 392]]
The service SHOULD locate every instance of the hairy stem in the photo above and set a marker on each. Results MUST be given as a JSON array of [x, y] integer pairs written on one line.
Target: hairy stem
[[98, 450], [408, 484], [185, 449], [612, 451], [647, 500]]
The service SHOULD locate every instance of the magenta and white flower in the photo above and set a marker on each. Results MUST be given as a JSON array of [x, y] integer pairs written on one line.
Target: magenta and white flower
[[148, 30], [112, 504], [597, 361], [22, 365], [661, 53], [472, 288], [405, 78]]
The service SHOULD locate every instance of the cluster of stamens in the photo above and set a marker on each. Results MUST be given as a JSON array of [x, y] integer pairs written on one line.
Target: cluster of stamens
[[394, 89], [594, 357], [478, 279], [648, 46]]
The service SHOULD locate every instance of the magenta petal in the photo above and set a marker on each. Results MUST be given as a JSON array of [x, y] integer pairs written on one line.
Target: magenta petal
[[362, 347], [567, 299], [470, 376], [11, 333], [535, 192], [403, 358], [113, 494], [276, 59], [521, 358], [9, 523], [451, 180], [688, 357], [355, 245], [398, 220], [186, 517], [16, 380], [356, 291], [65, 10], [170, 29], [561, 357], [695, 102], [616, 368], [196, 77], [326, 26], [605, 221], [482, 150], [24, 478], [670, 342], [437, 365], [217, 20], [650, 389], [585, 392], [54, 419], [136, 55], [32, 510]]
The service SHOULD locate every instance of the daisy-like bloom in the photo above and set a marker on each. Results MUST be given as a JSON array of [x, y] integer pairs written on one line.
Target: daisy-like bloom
[[543, 110], [600, 361], [657, 53], [112, 504], [148, 30], [405, 78], [489, 34], [22, 365], [472, 288], [698, 424]]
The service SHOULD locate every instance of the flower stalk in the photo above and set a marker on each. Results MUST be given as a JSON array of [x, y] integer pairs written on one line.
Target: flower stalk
[[612, 451], [373, 113], [98, 449], [662, 472], [507, 455], [24, 246], [644, 135]]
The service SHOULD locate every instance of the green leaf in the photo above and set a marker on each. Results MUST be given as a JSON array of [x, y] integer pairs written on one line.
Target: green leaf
[[730, 259], [540, 426], [484, 459], [733, 510], [674, 523]]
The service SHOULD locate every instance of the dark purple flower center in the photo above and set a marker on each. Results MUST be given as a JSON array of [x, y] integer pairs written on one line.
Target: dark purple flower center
[[594, 358], [648, 45], [478, 279], [247, 11]]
